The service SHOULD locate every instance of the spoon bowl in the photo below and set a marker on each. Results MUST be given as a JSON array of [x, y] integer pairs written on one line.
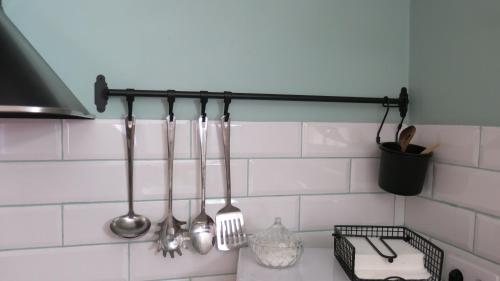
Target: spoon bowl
[[203, 233], [130, 225]]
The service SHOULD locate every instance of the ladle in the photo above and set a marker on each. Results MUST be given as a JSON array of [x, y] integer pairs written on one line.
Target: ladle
[[203, 226], [130, 225]]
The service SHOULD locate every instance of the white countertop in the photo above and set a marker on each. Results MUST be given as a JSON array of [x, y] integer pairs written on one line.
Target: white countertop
[[316, 264]]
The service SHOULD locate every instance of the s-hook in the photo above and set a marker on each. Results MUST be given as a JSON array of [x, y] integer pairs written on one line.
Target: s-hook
[[386, 105], [227, 101], [171, 100], [403, 110], [203, 101], [130, 102]]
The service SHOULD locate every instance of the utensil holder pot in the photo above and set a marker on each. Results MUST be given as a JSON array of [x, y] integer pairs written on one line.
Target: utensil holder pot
[[402, 173]]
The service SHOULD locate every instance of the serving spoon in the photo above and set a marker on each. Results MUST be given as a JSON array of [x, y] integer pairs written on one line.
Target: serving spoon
[[130, 225], [203, 226]]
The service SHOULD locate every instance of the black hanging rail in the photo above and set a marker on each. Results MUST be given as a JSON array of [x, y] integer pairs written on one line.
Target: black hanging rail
[[102, 94]]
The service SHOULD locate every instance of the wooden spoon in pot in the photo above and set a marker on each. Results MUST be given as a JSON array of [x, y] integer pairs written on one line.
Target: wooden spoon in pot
[[406, 136]]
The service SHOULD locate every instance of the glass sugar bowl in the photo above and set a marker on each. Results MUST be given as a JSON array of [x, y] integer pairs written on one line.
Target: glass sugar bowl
[[276, 247]]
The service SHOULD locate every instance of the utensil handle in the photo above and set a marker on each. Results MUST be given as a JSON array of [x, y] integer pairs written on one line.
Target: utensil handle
[[170, 158], [430, 148], [226, 141], [202, 131], [130, 133]]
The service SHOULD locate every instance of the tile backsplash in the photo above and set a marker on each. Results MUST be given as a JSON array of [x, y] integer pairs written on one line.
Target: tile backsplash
[[459, 207], [72, 174], [314, 175]]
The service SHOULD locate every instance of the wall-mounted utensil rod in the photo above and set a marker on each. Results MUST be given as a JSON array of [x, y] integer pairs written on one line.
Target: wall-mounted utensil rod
[[102, 94]]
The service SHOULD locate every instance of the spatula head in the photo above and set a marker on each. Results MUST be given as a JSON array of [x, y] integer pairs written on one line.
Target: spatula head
[[230, 231]]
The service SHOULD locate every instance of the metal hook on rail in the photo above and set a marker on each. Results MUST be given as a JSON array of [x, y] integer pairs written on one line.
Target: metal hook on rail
[[227, 101], [386, 105], [203, 101], [130, 103], [403, 109], [171, 100]]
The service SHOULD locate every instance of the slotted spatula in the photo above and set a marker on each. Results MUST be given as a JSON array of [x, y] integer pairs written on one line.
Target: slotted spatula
[[229, 220]]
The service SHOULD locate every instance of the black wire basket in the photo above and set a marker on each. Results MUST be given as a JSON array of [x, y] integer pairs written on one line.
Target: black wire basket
[[345, 252]]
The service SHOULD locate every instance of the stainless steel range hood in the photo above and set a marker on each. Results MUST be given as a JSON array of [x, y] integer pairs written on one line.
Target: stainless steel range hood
[[29, 88]]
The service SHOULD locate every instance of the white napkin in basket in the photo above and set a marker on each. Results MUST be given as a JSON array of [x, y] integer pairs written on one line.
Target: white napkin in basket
[[368, 264]]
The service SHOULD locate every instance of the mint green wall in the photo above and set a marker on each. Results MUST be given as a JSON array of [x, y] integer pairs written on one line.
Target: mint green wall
[[455, 61], [330, 47]]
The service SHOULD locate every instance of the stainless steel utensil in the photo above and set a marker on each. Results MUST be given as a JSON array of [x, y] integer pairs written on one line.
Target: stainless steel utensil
[[171, 236], [130, 225], [203, 226], [406, 136], [229, 220]]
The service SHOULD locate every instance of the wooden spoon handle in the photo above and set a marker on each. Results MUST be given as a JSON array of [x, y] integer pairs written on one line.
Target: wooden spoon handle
[[430, 149]]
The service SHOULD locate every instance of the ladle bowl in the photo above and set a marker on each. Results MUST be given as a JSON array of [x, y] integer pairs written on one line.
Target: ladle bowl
[[130, 225]]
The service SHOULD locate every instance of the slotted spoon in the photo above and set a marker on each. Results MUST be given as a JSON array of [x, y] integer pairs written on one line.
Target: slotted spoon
[[229, 220]]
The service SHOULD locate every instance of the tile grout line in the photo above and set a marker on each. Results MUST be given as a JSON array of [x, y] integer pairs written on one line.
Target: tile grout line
[[479, 212], [464, 250], [128, 243], [241, 157], [194, 198]]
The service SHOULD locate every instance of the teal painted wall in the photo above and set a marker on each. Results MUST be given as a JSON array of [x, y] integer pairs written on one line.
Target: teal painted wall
[[328, 47], [455, 62]]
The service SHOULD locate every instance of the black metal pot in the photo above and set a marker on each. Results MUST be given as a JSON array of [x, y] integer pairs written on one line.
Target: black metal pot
[[402, 173]]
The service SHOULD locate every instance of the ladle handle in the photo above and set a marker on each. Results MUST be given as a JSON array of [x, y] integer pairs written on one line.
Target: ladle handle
[[226, 141], [202, 131], [130, 133], [170, 158]]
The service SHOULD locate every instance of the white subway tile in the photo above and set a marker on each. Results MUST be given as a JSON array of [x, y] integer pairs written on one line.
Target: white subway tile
[[80, 218], [146, 264], [25, 227], [30, 139], [489, 153], [487, 233], [472, 267], [343, 139], [399, 210], [88, 181], [458, 144], [451, 224], [429, 180], [326, 211], [55, 182], [468, 187], [151, 179], [97, 263], [231, 277], [258, 212], [251, 139], [364, 175], [317, 239], [105, 139], [298, 176]]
